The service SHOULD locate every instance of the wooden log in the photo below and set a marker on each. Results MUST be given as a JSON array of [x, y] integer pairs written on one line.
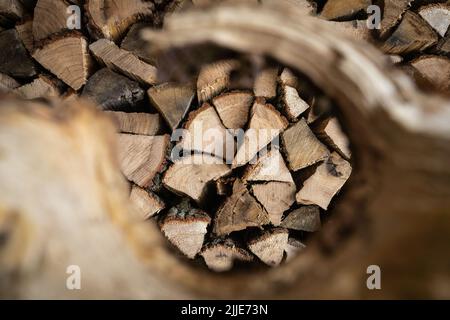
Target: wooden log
[[269, 167], [50, 17], [265, 124], [190, 175], [25, 33], [328, 179], [437, 15], [276, 197], [269, 246], [185, 227], [7, 83], [108, 53], [238, 212], [214, 78], [111, 18], [393, 11], [142, 157], [321, 108], [136, 45], [207, 134], [146, 203], [288, 78], [220, 255], [302, 147], [41, 87], [233, 108], [413, 34], [112, 91], [266, 83], [343, 9], [293, 105], [435, 69], [293, 247], [305, 218], [67, 58], [172, 101], [14, 60], [137, 123], [443, 47], [11, 11], [330, 133]]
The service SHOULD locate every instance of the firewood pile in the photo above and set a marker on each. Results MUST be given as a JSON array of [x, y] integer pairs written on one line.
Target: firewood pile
[[234, 140]]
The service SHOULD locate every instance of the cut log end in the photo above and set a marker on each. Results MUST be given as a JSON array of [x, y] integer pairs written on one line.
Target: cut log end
[[146, 203], [269, 246], [220, 255]]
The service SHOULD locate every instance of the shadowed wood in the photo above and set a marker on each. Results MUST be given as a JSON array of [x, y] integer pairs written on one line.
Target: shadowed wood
[[435, 69], [437, 15], [146, 203], [123, 61], [172, 101], [142, 157], [136, 45], [41, 87], [330, 132], [305, 218], [138, 123], [302, 147], [11, 10], [276, 198], [266, 83], [233, 108], [25, 32], [190, 175], [328, 179], [293, 248], [220, 255], [7, 83], [14, 59], [338, 9], [238, 212], [269, 246], [185, 227], [112, 91], [412, 34], [67, 58], [50, 17], [214, 78], [392, 13], [265, 124]]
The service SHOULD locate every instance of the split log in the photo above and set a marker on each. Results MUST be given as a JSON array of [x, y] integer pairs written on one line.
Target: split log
[[340, 9], [293, 105], [111, 18], [50, 17], [293, 247], [276, 197], [11, 11], [269, 167], [67, 58], [41, 87], [435, 69], [190, 175], [265, 124], [137, 123], [437, 15], [146, 203], [443, 47], [7, 83], [172, 101], [142, 157], [233, 108], [266, 83], [112, 91], [14, 59], [305, 218], [413, 34], [238, 212], [330, 133], [108, 53], [185, 227], [321, 107], [25, 33], [328, 179], [302, 147], [393, 11], [220, 255], [206, 134], [136, 45], [269, 246], [214, 78], [288, 78]]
